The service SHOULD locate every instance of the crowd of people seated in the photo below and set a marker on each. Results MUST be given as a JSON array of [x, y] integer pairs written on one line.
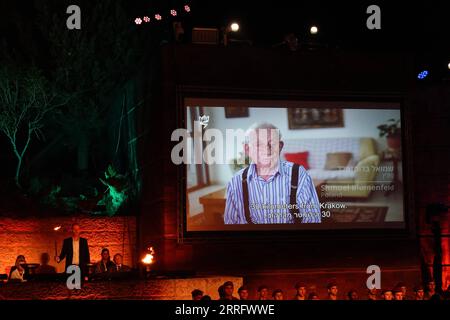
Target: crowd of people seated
[[20, 272], [399, 292], [105, 266], [75, 251]]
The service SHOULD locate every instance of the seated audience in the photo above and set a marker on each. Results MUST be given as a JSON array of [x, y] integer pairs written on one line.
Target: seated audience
[[386, 294], [18, 271], [197, 294], [372, 294], [398, 293], [105, 265], [352, 295], [243, 293], [263, 292], [419, 293], [44, 267], [206, 298], [332, 291], [228, 288], [118, 261], [221, 291], [313, 296], [301, 291], [430, 293], [404, 290], [277, 294]]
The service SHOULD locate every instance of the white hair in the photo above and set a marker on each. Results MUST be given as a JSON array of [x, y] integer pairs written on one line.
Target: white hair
[[260, 125]]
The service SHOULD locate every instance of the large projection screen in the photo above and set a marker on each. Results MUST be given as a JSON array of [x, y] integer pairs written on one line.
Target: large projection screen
[[348, 156]]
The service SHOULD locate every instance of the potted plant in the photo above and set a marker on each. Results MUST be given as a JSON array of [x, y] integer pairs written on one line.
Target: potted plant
[[240, 162], [392, 131]]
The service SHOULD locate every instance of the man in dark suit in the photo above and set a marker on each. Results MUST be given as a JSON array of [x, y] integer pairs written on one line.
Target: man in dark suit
[[105, 265], [119, 266], [75, 250]]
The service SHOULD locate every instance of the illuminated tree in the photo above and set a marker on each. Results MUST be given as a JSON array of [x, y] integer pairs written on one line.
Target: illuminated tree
[[25, 99]]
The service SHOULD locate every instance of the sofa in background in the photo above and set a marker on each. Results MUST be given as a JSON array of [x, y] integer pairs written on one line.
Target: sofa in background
[[352, 181]]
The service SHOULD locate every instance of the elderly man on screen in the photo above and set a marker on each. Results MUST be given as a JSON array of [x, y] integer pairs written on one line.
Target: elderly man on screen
[[270, 191]]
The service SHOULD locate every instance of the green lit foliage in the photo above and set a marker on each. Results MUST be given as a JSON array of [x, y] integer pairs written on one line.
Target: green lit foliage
[[117, 194], [53, 195], [47, 193], [26, 98]]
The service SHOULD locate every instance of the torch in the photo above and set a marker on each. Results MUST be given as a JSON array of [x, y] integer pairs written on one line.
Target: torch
[[56, 229], [148, 259]]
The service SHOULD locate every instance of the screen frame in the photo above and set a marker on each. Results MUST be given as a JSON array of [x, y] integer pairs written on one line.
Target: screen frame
[[290, 98]]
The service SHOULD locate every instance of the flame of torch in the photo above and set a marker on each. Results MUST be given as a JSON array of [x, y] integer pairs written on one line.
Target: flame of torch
[[57, 228], [148, 259]]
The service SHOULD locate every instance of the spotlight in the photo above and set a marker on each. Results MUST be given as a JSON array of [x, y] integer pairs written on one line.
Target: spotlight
[[448, 66], [187, 8], [146, 19], [173, 12], [422, 75], [314, 30], [138, 20], [158, 17], [234, 27]]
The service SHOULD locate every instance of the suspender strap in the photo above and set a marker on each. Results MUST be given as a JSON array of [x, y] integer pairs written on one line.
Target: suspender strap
[[293, 197], [245, 194]]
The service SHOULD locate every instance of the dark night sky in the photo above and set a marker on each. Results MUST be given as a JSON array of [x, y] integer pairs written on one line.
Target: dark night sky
[[416, 25], [420, 27], [406, 25]]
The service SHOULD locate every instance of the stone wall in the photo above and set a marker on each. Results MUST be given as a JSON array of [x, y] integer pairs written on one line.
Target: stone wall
[[33, 236], [151, 289]]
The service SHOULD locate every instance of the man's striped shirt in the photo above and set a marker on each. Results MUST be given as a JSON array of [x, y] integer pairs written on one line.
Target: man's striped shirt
[[269, 200]]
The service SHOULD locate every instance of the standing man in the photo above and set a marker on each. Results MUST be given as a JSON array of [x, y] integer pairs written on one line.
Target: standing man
[[75, 250]]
